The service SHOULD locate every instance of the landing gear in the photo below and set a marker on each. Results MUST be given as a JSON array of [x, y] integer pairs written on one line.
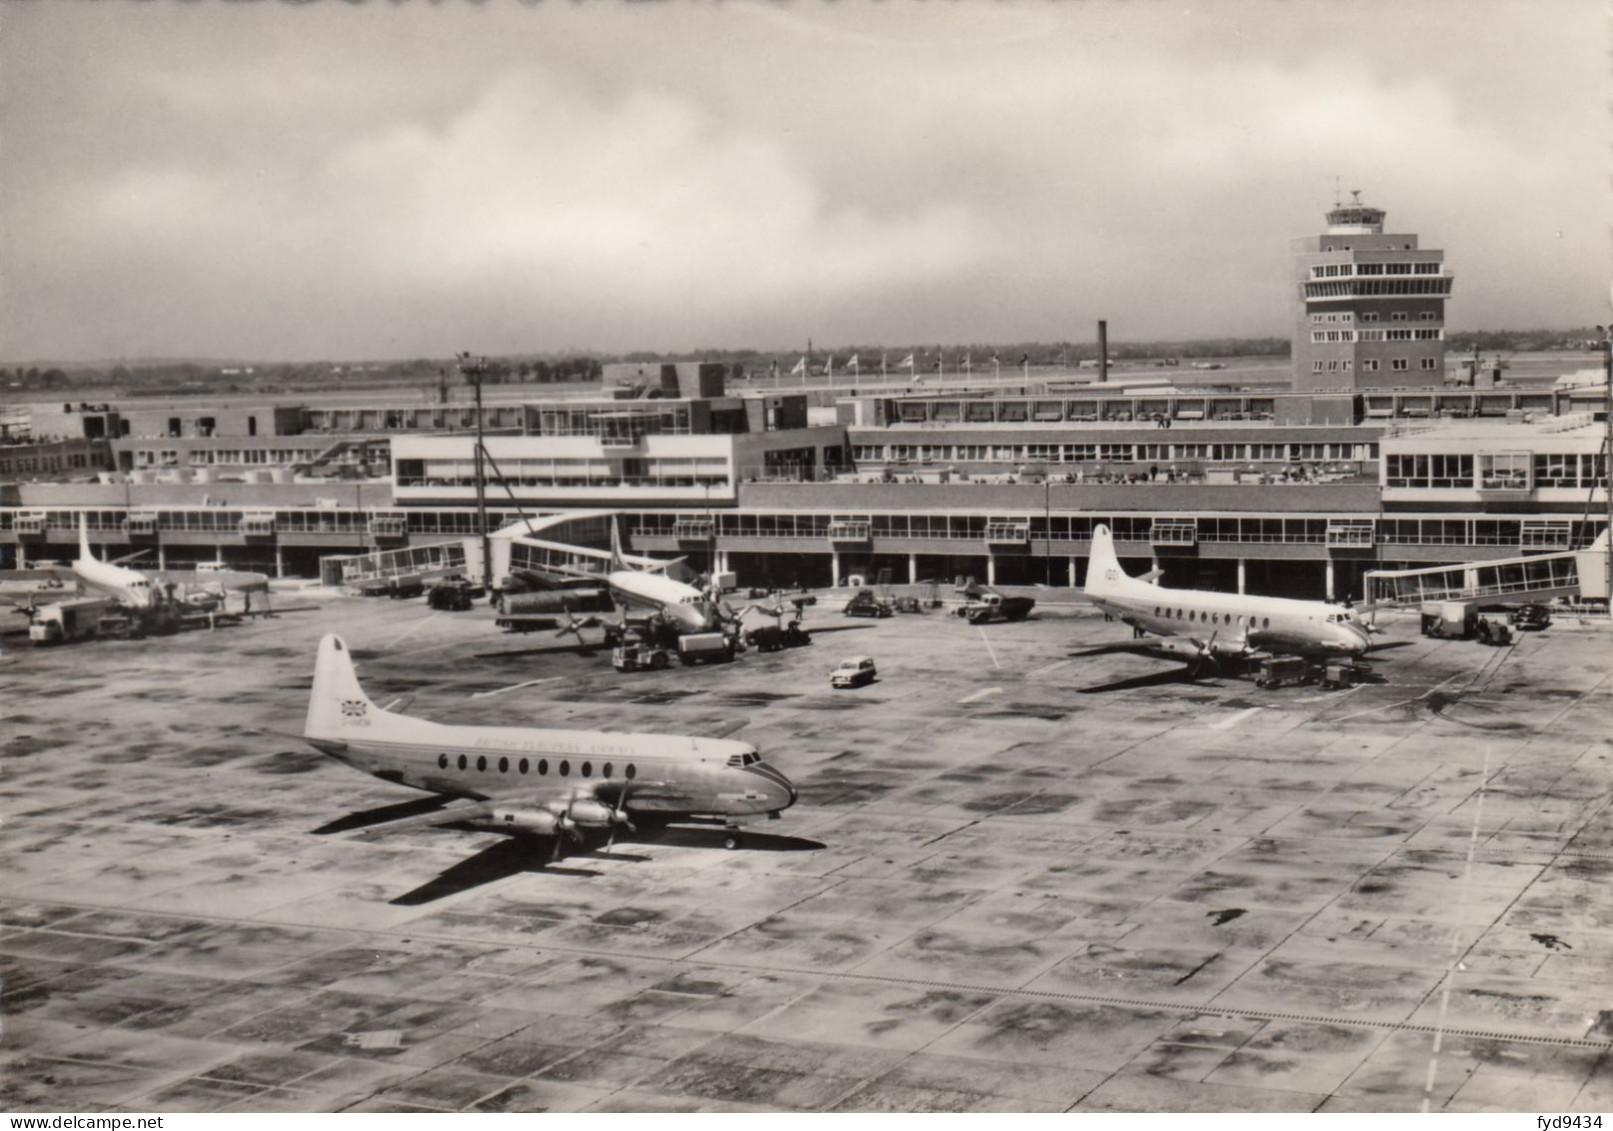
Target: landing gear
[[731, 837]]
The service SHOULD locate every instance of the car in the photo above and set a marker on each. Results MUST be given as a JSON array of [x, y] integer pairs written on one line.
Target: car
[[452, 595], [864, 603], [854, 672], [1531, 617]]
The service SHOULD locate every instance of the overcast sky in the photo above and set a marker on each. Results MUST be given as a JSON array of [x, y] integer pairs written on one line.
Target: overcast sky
[[269, 181]]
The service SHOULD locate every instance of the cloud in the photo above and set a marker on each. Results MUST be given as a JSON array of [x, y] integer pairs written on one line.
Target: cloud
[[233, 181]]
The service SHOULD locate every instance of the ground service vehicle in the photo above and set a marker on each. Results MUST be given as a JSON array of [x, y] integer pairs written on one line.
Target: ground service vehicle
[[1531, 618], [1338, 676], [865, 604], [708, 647], [73, 619], [853, 672], [988, 606], [1494, 632], [1275, 671], [451, 596], [772, 638], [1449, 620], [639, 656]]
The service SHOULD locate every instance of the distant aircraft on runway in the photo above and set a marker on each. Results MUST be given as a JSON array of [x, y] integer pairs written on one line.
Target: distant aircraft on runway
[[1206, 627], [532, 782]]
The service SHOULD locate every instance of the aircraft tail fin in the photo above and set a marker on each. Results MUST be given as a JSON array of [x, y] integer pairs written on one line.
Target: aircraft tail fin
[[337, 706], [85, 554], [1104, 574]]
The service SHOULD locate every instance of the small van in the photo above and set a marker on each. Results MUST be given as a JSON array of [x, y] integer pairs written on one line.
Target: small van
[[853, 672]]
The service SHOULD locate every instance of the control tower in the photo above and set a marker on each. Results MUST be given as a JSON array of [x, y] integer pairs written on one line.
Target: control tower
[[1369, 306]]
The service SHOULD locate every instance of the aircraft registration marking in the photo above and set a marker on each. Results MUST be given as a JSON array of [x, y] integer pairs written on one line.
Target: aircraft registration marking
[[1234, 720], [981, 694]]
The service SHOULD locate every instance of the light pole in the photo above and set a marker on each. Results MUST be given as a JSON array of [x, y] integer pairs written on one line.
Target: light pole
[[1047, 531], [474, 369]]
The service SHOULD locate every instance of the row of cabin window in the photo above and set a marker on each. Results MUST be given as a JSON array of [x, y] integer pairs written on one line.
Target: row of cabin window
[[1213, 618], [564, 768]]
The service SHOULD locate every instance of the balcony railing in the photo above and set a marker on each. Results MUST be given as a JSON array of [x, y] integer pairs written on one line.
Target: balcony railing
[[1352, 534], [849, 531], [389, 525], [1008, 533], [694, 530], [1174, 532], [1537, 535]]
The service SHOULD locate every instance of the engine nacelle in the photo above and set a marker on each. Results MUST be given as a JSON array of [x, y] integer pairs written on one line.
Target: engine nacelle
[[592, 813], [533, 822]]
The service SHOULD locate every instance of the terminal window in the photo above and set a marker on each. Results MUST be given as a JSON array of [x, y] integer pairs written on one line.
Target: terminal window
[[1506, 471], [1428, 471]]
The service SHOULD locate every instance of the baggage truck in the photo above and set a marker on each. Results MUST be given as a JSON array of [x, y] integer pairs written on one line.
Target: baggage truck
[[705, 647], [1449, 620]]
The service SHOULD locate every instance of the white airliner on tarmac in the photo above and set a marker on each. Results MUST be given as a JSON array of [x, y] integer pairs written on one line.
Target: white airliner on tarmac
[[1202, 624], [535, 782], [128, 587], [648, 595]]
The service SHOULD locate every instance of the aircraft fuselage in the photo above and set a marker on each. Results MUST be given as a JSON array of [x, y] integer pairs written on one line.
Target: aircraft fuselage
[[1232, 622], [684, 606], [486, 762]]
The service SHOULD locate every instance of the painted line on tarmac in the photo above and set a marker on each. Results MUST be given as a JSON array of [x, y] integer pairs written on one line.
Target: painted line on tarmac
[[981, 694], [1053, 667], [1335, 695], [411, 630], [986, 640], [529, 683], [1234, 720], [1457, 945], [1401, 703]]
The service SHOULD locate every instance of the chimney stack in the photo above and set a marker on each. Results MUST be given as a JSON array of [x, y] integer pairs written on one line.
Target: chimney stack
[[1103, 351]]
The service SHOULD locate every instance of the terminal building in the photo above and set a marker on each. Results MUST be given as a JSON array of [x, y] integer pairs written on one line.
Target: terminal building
[[1371, 460]]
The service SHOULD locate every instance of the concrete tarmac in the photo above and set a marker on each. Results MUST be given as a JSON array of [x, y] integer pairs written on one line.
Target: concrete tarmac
[[1017, 879]]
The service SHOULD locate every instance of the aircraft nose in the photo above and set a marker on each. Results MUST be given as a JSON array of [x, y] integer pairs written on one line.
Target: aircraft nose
[[779, 786], [1354, 639]]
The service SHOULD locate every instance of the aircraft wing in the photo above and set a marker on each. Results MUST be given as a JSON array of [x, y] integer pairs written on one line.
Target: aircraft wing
[[557, 799], [541, 579], [1166, 647]]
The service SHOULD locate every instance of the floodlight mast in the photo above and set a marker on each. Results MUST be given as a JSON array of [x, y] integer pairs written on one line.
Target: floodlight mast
[[474, 369]]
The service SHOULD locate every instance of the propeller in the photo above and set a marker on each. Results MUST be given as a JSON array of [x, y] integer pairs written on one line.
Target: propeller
[[619, 818], [564, 826], [574, 627], [1206, 652]]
